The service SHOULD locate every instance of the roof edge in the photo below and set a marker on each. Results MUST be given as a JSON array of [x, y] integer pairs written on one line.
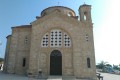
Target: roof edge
[[8, 36], [57, 6], [22, 26]]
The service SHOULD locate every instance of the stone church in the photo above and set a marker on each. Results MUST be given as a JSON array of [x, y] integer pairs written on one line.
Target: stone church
[[57, 43]]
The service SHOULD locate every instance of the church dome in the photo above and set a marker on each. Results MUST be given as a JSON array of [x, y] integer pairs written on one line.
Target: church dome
[[61, 9]]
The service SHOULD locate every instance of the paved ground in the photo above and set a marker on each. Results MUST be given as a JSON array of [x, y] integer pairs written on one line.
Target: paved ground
[[11, 77], [107, 76], [18, 77], [14, 77]]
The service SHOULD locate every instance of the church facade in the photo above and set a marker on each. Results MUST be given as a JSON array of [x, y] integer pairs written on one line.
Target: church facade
[[57, 43]]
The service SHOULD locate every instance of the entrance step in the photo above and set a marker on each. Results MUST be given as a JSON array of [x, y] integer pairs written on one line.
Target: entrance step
[[82, 79], [54, 78], [64, 78], [69, 78], [85, 79]]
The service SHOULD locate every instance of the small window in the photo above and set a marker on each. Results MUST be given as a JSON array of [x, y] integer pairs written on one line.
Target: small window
[[85, 16], [54, 39], [26, 40], [88, 63], [24, 62], [68, 14], [86, 36]]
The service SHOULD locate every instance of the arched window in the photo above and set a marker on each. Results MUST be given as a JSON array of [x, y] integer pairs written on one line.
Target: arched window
[[86, 36], [57, 37], [44, 42], [88, 63], [26, 40], [24, 62], [70, 14], [85, 16]]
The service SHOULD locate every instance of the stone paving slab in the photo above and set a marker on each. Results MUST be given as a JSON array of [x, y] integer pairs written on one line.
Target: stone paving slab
[[54, 78], [3, 76], [107, 76]]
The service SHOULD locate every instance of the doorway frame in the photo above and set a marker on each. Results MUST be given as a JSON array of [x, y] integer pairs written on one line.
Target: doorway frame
[[50, 61]]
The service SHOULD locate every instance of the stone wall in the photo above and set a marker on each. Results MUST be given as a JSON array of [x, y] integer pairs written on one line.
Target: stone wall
[[23, 50], [19, 49], [7, 53], [78, 53], [26, 43]]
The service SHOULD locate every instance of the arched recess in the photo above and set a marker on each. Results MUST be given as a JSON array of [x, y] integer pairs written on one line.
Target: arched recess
[[70, 14], [85, 16], [55, 63], [57, 10]]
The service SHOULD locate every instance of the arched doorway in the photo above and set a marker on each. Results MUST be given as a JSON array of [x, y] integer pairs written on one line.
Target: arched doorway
[[55, 63]]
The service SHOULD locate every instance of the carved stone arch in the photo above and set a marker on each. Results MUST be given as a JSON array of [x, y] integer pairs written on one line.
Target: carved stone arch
[[55, 53]]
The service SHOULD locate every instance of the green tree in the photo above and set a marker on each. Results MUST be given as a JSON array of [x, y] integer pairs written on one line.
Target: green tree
[[1, 60], [101, 65], [108, 65], [116, 67], [119, 67]]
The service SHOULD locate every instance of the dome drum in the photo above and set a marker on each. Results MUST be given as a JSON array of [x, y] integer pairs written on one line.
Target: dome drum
[[61, 9]]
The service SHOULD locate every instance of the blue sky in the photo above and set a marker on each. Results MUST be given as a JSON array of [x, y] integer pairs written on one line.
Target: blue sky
[[105, 16]]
